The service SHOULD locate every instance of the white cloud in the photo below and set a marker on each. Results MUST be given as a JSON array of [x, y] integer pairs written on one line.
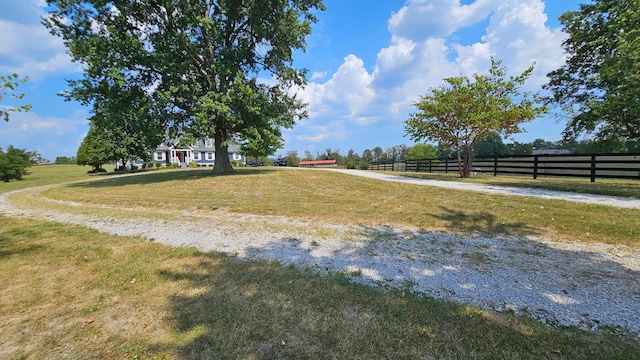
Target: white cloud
[[348, 91], [317, 75], [27, 46], [421, 19]]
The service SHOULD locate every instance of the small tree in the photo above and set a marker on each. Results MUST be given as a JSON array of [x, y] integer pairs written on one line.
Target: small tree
[[292, 158], [464, 112], [7, 86], [14, 163], [95, 150]]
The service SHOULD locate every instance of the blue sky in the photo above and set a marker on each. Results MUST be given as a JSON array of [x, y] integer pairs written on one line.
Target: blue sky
[[368, 62]]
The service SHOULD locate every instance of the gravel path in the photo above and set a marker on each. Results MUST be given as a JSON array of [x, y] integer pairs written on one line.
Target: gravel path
[[616, 201], [563, 283]]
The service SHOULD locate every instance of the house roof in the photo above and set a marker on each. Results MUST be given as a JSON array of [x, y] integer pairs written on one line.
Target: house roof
[[318, 162]]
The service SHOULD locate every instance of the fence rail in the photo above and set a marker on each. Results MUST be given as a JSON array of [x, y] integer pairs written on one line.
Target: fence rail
[[592, 166]]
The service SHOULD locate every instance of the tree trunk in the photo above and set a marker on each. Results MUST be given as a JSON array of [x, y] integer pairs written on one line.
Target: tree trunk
[[460, 166], [469, 154], [222, 163]]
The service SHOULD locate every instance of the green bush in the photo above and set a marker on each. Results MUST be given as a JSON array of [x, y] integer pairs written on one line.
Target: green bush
[[364, 165], [175, 165], [14, 163], [158, 165], [193, 164]]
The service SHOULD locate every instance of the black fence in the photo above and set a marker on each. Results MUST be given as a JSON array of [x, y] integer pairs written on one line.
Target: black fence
[[612, 166]]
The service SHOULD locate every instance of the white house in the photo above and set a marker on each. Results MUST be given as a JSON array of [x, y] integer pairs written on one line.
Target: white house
[[202, 153]]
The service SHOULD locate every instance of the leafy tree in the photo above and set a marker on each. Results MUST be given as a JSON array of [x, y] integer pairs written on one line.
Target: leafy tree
[[125, 120], [517, 148], [260, 144], [445, 151], [197, 61], [292, 158], [367, 156], [599, 85], [96, 149], [14, 163], [352, 159], [8, 84], [463, 113], [331, 155], [422, 151], [378, 154], [492, 146], [64, 160], [542, 144], [307, 156]]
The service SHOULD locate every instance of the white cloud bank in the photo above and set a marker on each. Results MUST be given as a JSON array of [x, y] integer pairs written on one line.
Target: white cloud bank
[[423, 50]]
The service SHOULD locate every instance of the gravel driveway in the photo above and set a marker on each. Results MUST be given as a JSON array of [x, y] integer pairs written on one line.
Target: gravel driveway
[[616, 201], [564, 283]]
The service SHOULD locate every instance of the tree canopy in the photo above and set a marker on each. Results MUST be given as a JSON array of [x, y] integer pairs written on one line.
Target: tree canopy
[[195, 65], [464, 111], [96, 149], [8, 85], [599, 85]]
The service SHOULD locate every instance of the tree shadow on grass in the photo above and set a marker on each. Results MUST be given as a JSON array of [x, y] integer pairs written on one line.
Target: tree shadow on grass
[[319, 305], [483, 222], [159, 176]]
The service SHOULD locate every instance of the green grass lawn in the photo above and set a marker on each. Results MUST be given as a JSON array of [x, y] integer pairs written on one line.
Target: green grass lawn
[[335, 197], [72, 292], [47, 175]]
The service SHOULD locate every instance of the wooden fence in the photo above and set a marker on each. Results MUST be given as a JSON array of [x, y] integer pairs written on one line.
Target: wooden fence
[[613, 166]]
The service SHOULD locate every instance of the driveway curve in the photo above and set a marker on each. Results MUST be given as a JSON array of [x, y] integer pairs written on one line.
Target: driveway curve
[[617, 201]]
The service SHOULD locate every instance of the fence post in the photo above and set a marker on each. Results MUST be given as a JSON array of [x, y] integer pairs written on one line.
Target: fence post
[[430, 166], [593, 168], [446, 165], [495, 166], [535, 167]]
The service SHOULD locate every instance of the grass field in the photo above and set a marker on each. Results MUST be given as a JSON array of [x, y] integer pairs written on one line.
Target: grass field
[[71, 292], [343, 198]]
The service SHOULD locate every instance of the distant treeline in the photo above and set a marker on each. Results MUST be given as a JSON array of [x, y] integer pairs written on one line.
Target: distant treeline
[[493, 146]]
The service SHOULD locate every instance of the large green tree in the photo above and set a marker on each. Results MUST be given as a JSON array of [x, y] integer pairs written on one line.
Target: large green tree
[[8, 84], [197, 61], [599, 85], [463, 112]]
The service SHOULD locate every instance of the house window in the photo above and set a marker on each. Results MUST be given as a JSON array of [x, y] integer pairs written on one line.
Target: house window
[[237, 157], [208, 143], [209, 156], [159, 155], [196, 155]]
